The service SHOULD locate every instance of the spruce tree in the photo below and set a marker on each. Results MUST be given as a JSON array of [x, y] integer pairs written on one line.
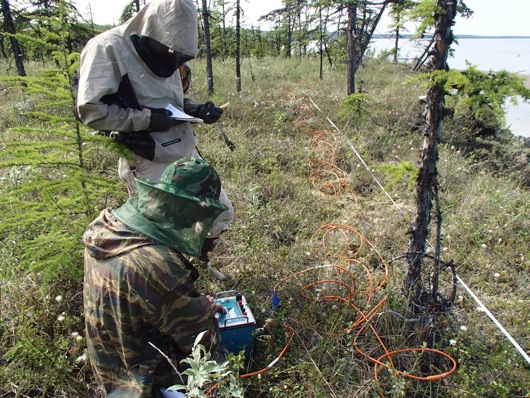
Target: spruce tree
[[50, 166]]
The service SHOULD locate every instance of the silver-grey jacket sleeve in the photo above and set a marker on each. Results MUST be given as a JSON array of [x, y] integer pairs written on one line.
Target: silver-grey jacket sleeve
[[100, 75]]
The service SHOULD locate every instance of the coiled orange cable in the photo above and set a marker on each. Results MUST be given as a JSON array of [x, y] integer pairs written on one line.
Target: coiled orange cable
[[325, 175], [351, 245]]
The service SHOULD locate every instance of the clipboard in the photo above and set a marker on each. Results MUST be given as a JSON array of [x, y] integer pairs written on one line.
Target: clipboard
[[181, 116]]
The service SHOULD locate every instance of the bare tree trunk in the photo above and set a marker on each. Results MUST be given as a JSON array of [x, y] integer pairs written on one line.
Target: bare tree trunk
[[208, 44], [396, 41], [352, 32], [289, 44], [363, 19], [238, 46], [399, 8], [301, 48], [226, 49], [321, 30], [9, 27], [427, 174]]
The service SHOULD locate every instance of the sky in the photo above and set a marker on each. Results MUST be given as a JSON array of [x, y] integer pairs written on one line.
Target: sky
[[491, 17]]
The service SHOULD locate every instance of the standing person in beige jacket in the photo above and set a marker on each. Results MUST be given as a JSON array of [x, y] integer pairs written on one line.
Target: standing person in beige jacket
[[129, 75]]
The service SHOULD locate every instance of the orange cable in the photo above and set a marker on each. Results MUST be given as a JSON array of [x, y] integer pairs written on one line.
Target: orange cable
[[323, 169]]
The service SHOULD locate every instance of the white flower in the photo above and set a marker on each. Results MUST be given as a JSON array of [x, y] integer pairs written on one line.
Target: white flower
[[483, 246], [61, 318], [452, 342], [59, 298], [463, 327], [496, 274], [82, 358]]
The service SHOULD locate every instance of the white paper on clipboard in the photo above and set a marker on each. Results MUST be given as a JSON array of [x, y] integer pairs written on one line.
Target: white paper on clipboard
[[179, 115]]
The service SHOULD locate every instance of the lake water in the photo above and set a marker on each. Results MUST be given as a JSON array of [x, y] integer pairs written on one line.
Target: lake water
[[511, 54]]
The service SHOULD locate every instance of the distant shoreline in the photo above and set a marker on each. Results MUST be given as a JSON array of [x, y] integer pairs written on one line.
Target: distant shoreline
[[457, 36], [490, 37]]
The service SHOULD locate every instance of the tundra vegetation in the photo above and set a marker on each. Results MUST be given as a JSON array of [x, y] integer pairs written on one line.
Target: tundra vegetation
[[323, 184]]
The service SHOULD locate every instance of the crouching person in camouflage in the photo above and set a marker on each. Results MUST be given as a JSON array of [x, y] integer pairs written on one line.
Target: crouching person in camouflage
[[139, 288]]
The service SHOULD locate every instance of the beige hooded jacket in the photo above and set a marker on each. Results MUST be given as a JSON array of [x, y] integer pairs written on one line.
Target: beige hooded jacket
[[111, 57]]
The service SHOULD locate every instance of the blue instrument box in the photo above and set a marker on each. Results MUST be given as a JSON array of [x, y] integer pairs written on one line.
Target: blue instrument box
[[238, 324]]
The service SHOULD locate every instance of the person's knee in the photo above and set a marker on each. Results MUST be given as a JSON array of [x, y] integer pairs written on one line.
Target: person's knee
[[224, 219]]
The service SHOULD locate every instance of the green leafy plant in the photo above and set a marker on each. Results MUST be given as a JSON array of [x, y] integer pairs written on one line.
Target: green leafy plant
[[203, 372]]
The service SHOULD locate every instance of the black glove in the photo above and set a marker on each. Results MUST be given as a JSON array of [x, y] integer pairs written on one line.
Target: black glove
[[209, 112], [160, 120]]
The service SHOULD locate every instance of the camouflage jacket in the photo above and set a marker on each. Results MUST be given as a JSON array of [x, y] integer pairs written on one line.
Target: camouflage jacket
[[138, 292]]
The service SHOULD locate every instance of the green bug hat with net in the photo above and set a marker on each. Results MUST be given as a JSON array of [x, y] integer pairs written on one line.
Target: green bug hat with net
[[179, 209]]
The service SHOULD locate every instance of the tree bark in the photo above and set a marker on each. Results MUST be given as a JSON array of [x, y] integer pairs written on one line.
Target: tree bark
[[427, 174], [321, 30], [238, 46], [362, 22], [9, 27], [289, 36], [396, 41], [352, 33], [207, 43]]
